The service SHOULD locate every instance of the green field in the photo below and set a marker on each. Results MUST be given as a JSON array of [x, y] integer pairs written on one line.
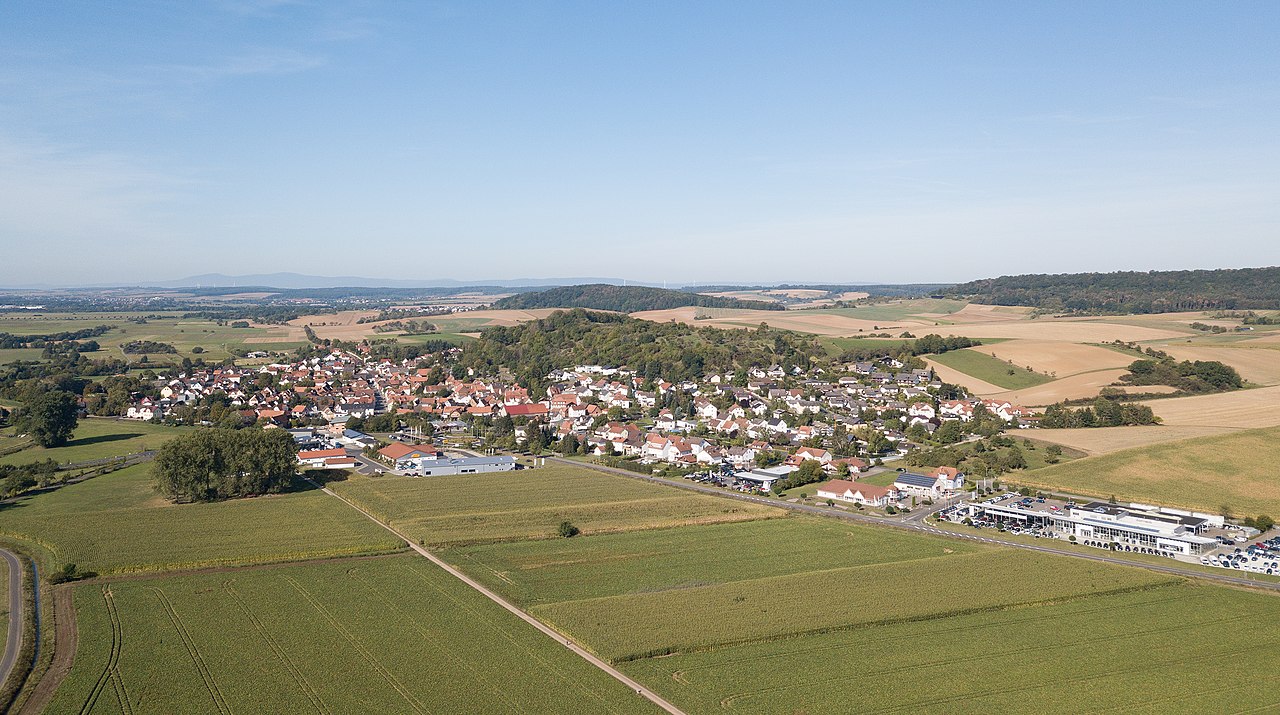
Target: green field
[[1205, 473], [99, 438], [385, 635], [1180, 648], [530, 504], [117, 523], [990, 369], [895, 310], [836, 346], [455, 338], [548, 571]]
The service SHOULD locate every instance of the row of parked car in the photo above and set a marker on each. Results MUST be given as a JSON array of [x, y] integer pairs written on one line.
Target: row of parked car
[[1260, 557]]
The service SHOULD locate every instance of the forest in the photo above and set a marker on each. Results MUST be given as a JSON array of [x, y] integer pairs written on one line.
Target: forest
[[624, 299], [1131, 291]]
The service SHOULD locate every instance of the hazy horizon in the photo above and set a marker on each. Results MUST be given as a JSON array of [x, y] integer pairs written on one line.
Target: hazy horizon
[[716, 143]]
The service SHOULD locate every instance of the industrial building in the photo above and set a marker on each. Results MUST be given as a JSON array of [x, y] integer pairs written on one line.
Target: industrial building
[[434, 467]]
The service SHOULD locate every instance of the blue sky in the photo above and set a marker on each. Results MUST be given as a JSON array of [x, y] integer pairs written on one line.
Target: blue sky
[[688, 142]]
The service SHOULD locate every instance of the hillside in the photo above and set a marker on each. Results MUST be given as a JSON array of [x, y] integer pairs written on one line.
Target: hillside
[[1131, 292], [624, 299]]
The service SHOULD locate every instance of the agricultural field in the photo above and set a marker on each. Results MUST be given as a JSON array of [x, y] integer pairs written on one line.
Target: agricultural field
[[991, 370], [1260, 366], [387, 635], [1177, 648], [99, 438], [549, 571], [531, 504], [346, 325], [1235, 469], [116, 523]]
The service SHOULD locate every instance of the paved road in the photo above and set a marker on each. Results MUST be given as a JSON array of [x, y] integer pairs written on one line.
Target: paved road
[[14, 642], [1080, 552], [579, 650]]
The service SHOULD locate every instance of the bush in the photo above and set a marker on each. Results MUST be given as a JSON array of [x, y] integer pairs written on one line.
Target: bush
[[567, 529]]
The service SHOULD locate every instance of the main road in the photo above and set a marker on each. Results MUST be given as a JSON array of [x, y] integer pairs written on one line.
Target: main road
[[915, 524], [13, 643]]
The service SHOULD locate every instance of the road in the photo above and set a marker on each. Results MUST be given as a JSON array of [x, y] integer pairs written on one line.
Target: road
[[546, 630], [1080, 552], [14, 641]]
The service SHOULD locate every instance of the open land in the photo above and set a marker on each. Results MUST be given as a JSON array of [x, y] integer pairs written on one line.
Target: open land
[[116, 523], [99, 438], [983, 366], [1234, 469], [394, 634], [532, 504]]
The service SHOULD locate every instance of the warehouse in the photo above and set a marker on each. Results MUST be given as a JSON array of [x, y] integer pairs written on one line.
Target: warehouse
[[462, 465]]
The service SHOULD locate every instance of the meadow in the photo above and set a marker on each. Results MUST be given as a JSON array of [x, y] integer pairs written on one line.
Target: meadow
[[117, 523], [393, 634], [531, 504], [548, 571], [1234, 469], [1178, 648], [98, 438], [991, 370]]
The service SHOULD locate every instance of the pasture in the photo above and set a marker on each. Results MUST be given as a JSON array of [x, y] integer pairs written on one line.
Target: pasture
[[644, 625], [1235, 469], [979, 364], [1178, 648], [117, 523], [531, 504], [547, 571], [383, 635], [99, 438]]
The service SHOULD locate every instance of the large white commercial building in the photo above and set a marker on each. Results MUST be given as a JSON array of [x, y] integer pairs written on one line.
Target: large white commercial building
[[1141, 528], [465, 465]]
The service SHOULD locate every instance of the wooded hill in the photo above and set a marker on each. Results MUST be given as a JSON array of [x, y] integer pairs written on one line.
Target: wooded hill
[[1131, 292], [624, 299], [672, 351]]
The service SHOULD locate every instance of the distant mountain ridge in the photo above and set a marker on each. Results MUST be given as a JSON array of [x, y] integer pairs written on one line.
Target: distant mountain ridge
[[299, 280], [624, 299]]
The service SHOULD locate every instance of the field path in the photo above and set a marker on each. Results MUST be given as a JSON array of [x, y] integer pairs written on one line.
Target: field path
[[65, 642], [546, 630]]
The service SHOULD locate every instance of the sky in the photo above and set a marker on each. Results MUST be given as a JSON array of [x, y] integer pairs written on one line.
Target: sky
[[704, 142]]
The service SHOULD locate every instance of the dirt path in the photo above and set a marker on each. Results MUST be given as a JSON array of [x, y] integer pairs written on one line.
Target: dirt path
[[65, 639], [546, 630]]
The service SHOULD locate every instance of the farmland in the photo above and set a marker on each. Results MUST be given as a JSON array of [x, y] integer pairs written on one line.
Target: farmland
[[99, 438], [531, 504], [392, 634], [984, 367], [1235, 469], [116, 523], [1141, 646], [534, 572]]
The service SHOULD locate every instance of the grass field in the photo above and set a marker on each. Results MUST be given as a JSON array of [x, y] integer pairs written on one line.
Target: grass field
[[386, 635], [117, 523], [535, 572], [1235, 469], [99, 438], [1180, 648], [991, 370], [531, 504]]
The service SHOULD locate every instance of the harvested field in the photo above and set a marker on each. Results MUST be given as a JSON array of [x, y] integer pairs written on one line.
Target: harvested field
[[1260, 366], [392, 635], [1242, 409], [343, 326], [814, 322], [1237, 469], [1104, 440], [955, 377], [1086, 384], [1056, 357], [1068, 331]]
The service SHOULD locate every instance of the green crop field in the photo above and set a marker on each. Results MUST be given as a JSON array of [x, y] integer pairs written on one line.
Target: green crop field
[[1180, 648], [531, 504], [895, 310], [99, 438], [836, 346], [385, 635], [534, 572], [990, 369], [641, 625], [1205, 473], [117, 523]]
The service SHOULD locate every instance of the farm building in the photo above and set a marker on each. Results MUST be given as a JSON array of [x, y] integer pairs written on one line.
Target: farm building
[[465, 465]]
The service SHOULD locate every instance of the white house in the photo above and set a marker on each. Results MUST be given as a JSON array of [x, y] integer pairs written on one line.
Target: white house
[[858, 493]]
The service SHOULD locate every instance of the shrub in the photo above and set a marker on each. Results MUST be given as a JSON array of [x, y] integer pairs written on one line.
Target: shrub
[[567, 529]]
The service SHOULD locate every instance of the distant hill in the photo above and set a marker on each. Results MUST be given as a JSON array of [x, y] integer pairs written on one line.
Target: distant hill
[[298, 280], [1131, 291], [624, 299]]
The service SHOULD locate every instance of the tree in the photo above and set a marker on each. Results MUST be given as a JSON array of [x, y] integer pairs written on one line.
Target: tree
[[50, 418], [567, 529], [217, 464]]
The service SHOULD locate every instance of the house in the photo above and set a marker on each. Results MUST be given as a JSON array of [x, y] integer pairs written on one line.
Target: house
[[858, 493], [936, 483], [535, 409], [821, 455], [145, 410], [318, 457]]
